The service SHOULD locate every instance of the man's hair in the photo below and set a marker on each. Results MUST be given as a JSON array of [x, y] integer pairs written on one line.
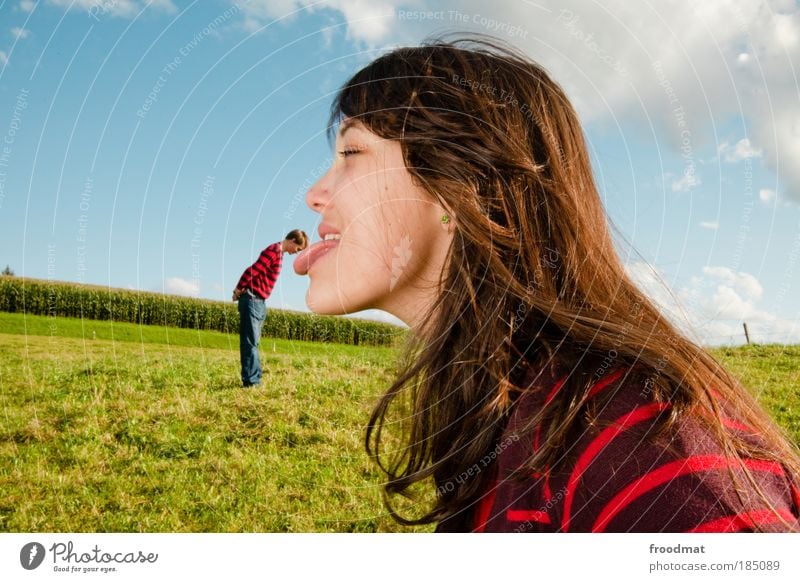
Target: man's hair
[[298, 237]]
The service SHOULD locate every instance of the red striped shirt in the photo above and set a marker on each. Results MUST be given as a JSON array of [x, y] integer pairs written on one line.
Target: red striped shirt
[[616, 478], [261, 276]]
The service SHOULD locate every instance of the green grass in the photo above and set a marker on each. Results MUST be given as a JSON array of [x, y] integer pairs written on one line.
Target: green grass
[[19, 323], [772, 374], [98, 435], [149, 433], [62, 299], [88, 330]]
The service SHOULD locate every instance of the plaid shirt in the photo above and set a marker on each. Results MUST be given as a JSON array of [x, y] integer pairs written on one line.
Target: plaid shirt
[[260, 277]]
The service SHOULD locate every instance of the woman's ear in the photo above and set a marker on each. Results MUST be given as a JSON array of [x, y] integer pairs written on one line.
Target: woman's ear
[[446, 219]]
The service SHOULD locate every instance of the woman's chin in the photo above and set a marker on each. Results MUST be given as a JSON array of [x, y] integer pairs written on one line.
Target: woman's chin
[[320, 311], [333, 304], [325, 306]]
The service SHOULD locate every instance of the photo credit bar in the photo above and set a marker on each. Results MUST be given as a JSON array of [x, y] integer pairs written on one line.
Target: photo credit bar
[[354, 557]]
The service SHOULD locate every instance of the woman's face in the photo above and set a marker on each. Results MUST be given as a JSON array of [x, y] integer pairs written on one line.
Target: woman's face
[[388, 243]]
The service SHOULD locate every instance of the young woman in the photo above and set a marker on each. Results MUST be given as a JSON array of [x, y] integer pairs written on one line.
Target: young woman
[[543, 391]]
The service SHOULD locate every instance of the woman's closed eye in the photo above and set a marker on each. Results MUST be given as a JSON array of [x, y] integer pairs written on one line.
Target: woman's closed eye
[[349, 152]]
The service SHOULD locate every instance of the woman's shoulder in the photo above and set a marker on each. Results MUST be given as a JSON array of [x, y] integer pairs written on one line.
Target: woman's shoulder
[[619, 472], [605, 394]]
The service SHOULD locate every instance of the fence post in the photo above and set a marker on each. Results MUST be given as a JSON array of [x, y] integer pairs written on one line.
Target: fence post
[[746, 333]]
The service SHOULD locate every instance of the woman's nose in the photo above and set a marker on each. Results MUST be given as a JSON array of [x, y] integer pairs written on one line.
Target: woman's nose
[[319, 194]]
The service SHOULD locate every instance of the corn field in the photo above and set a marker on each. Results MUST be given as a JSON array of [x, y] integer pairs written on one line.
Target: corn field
[[57, 299]]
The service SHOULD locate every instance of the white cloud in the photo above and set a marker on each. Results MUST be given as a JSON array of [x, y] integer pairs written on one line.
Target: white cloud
[[689, 181], [328, 34], [3, 58], [710, 224], [670, 65], [178, 286], [712, 307], [26, 5], [655, 286], [368, 21], [741, 282], [786, 132], [119, 8], [20, 33], [767, 196], [163, 5], [786, 31], [723, 300], [115, 8], [741, 151]]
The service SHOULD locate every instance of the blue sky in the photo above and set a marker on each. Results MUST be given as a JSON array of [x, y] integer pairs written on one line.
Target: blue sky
[[161, 145]]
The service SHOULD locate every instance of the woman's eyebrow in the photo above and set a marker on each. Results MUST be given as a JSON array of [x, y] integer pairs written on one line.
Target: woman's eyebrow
[[346, 125]]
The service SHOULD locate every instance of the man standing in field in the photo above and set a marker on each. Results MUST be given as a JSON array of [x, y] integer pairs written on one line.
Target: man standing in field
[[254, 287]]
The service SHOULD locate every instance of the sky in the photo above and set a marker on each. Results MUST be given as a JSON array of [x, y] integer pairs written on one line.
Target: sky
[[160, 145]]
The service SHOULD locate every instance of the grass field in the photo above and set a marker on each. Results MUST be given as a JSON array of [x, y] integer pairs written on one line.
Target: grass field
[[151, 431], [100, 435]]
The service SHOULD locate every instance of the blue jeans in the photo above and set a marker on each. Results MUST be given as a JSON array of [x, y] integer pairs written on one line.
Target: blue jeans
[[252, 312]]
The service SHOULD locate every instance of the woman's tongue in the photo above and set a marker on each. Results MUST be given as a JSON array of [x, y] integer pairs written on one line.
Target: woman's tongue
[[306, 258]]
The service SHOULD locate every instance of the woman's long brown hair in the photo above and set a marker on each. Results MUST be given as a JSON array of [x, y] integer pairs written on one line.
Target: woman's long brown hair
[[532, 278]]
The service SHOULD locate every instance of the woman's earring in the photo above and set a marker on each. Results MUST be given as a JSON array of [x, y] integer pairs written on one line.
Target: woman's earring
[[445, 219]]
